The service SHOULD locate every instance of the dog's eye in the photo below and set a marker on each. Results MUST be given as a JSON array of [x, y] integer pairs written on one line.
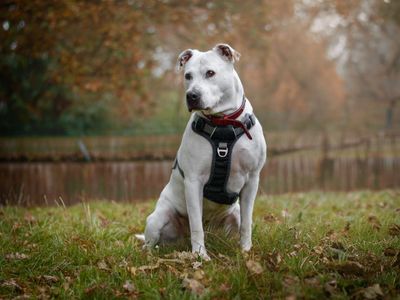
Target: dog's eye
[[210, 73], [188, 76]]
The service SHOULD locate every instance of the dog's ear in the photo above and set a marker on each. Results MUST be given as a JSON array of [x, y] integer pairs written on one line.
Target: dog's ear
[[183, 58], [227, 52]]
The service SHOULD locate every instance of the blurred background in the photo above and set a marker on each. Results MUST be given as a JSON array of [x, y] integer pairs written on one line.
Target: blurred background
[[91, 106]]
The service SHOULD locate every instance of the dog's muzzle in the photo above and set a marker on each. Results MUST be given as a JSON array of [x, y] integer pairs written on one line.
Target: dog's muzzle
[[193, 100]]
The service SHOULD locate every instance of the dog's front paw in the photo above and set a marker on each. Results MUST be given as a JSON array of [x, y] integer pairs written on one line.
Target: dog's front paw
[[202, 252], [246, 246]]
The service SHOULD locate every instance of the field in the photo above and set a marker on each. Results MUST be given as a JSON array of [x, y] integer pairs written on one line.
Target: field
[[312, 245]]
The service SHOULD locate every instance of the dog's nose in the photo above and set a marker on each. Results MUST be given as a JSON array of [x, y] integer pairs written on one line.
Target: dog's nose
[[192, 97]]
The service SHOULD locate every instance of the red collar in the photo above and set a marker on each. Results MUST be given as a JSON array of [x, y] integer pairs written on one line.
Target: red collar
[[230, 119]]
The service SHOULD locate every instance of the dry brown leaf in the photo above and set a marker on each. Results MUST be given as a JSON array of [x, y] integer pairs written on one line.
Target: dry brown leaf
[[11, 284], [89, 290], [254, 267], [349, 267], [184, 255], [16, 226], [289, 281], [373, 220], [102, 265], [224, 287], [390, 251], [372, 292], [196, 264], [29, 218], [193, 286], [135, 270], [48, 278], [199, 275], [312, 281], [165, 261], [330, 287], [128, 286], [16, 256], [318, 250], [273, 260], [222, 256], [394, 230], [271, 218]]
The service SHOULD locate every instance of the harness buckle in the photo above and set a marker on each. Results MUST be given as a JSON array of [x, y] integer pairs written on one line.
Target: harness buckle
[[222, 149]]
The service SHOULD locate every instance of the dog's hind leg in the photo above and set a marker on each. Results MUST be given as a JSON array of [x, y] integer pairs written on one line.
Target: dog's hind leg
[[231, 222], [164, 226]]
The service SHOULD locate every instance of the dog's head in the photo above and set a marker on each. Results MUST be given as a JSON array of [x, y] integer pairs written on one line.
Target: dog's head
[[210, 78]]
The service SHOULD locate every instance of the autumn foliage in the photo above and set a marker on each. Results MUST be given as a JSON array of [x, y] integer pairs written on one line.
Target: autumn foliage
[[95, 67]]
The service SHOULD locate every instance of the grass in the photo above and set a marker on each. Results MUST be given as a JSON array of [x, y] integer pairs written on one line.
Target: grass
[[312, 245]]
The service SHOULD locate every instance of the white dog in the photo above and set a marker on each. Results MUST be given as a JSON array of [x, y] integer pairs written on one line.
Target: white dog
[[219, 160]]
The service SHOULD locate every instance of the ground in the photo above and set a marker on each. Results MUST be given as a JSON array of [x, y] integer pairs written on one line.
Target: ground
[[311, 245]]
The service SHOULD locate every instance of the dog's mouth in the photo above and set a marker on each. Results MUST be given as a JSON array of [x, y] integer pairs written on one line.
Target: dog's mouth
[[191, 109]]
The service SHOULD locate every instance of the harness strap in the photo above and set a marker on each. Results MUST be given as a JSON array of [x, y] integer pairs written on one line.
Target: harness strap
[[176, 165], [222, 140]]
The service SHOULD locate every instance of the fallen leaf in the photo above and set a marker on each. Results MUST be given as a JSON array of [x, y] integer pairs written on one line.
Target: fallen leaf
[[48, 278], [92, 288], [184, 255], [312, 281], [198, 275], [318, 250], [102, 265], [373, 220], [224, 287], [67, 283], [222, 256], [11, 284], [349, 267], [128, 286], [254, 267], [330, 287], [29, 218], [193, 286], [104, 222], [396, 263], [394, 230], [390, 251], [270, 218], [372, 292], [289, 281], [196, 264], [291, 297], [346, 229], [16, 226], [273, 260], [16, 256], [337, 245]]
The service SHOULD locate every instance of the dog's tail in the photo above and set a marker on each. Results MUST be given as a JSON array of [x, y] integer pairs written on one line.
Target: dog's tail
[[140, 237]]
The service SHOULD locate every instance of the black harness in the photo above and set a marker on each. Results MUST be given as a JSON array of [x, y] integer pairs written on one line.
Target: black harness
[[222, 140]]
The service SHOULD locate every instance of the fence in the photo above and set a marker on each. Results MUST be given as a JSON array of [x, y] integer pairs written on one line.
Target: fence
[[371, 162]]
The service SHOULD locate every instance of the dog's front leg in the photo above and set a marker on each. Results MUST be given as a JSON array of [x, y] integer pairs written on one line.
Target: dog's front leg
[[247, 198], [194, 204]]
